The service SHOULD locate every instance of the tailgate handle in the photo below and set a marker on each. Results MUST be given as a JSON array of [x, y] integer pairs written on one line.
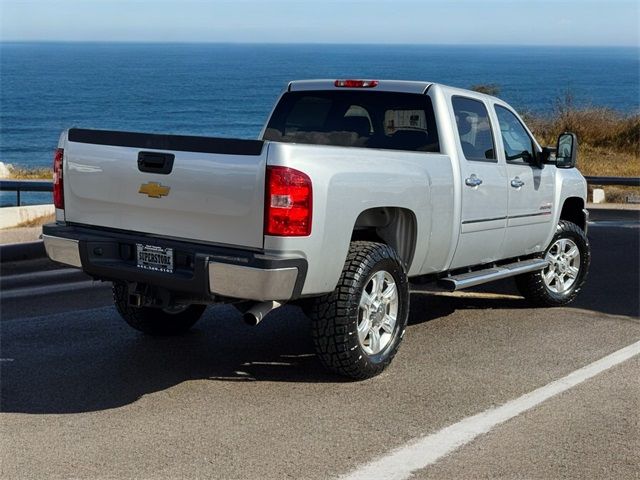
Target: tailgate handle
[[155, 162]]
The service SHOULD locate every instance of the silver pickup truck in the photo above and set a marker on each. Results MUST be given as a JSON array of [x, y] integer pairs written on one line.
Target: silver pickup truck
[[354, 189]]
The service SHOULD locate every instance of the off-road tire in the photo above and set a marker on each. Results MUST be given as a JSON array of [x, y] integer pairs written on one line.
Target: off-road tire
[[532, 286], [334, 316], [154, 321]]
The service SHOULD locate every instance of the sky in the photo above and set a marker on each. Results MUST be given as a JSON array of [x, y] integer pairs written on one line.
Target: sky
[[502, 22]]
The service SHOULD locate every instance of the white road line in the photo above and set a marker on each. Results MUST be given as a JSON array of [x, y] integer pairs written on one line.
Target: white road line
[[402, 462]]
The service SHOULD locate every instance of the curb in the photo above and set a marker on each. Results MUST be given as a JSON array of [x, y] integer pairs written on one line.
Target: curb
[[12, 252], [12, 217]]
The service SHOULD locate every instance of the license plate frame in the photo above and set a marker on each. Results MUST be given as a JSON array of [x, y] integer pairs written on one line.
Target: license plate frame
[[155, 258]]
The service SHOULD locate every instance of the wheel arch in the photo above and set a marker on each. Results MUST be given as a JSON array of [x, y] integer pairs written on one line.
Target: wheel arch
[[393, 226], [573, 210]]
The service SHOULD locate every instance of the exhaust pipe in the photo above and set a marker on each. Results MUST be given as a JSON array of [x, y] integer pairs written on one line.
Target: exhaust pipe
[[255, 314]]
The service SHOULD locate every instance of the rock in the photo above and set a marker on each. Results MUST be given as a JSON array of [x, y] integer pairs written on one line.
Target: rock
[[5, 170], [598, 195]]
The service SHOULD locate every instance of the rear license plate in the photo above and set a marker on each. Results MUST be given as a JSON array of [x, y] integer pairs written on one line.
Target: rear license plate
[[155, 258]]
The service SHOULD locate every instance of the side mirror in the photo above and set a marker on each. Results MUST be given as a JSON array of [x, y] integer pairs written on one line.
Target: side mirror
[[567, 150], [548, 155], [526, 157]]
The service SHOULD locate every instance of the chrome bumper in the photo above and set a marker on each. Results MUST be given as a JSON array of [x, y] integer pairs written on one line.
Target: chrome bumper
[[63, 250], [251, 283], [585, 212]]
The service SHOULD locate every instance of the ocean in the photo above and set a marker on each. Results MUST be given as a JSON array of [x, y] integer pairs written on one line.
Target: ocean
[[229, 89]]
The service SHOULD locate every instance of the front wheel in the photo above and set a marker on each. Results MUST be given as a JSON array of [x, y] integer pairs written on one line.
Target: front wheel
[[559, 283], [169, 321], [357, 328]]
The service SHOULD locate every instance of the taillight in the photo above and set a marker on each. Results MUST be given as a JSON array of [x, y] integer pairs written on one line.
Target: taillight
[[58, 188], [356, 83], [288, 203]]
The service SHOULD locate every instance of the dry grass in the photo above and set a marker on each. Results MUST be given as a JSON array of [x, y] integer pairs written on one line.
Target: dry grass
[[609, 142], [37, 222], [597, 128], [22, 173], [607, 163], [614, 194]]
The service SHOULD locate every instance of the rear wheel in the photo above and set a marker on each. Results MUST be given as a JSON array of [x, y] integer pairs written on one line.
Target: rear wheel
[[357, 329], [174, 320], [559, 283]]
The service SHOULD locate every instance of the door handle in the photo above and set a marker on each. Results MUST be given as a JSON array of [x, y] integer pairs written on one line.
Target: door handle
[[517, 183], [473, 181]]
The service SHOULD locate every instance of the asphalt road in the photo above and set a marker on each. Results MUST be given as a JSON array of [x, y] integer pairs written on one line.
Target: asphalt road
[[84, 396]]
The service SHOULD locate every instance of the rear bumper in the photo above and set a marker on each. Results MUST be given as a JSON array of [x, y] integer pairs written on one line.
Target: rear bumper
[[63, 250], [200, 270]]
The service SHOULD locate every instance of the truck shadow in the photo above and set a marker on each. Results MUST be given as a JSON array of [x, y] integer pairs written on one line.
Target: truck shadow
[[611, 288], [91, 360], [429, 305], [94, 361]]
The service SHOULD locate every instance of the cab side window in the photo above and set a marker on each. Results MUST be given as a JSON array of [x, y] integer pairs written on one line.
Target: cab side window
[[518, 145], [474, 129]]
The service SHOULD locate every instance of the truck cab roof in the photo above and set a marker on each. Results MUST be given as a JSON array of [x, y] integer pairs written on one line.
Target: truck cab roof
[[400, 86], [403, 86]]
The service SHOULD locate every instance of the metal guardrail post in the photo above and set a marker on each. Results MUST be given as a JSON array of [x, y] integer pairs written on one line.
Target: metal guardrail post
[[20, 186]]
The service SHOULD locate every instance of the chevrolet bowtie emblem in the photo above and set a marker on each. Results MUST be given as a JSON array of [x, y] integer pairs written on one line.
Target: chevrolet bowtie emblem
[[154, 190]]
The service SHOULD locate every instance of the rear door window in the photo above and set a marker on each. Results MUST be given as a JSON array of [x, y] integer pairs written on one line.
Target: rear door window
[[366, 119], [474, 129]]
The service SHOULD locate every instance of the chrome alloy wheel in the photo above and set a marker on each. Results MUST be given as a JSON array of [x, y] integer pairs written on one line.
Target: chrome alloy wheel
[[564, 266], [378, 312]]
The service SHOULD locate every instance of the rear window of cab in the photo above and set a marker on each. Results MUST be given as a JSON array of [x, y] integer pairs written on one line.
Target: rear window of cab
[[351, 118]]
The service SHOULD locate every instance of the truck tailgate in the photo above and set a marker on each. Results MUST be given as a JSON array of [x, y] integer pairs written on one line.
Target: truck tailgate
[[213, 191]]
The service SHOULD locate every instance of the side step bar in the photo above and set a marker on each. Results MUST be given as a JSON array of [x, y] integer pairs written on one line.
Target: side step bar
[[471, 279]]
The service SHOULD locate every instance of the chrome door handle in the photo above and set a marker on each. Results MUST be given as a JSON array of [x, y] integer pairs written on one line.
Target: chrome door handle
[[472, 181], [516, 183]]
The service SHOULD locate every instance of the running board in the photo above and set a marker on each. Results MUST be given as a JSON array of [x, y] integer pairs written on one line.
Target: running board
[[471, 279]]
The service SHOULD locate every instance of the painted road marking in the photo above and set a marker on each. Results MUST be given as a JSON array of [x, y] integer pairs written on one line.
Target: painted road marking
[[402, 462]]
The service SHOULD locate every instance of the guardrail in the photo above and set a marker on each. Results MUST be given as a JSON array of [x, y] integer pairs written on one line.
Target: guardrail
[[625, 181], [19, 186], [47, 185]]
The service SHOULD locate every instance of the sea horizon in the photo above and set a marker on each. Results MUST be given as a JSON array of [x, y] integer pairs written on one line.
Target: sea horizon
[[390, 44]]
